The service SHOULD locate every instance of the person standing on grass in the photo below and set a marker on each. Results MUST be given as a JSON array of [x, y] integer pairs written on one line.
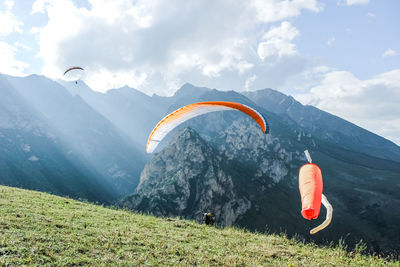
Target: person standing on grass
[[208, 219]]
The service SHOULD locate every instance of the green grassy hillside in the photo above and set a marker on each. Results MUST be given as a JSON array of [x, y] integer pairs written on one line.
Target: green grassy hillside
[[42, 229]]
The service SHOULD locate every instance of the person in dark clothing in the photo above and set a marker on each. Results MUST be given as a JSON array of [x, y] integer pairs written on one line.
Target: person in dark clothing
[[208, 219]]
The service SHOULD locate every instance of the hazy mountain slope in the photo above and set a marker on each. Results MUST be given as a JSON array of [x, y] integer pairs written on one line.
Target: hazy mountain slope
[[32, 156], [326, 126], [90, 136], [135, 113], [131, 111]]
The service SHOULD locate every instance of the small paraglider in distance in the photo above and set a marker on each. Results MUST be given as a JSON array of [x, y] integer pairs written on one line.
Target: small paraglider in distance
[[177, 117], [311, 187], [208, 218], [73, 68]]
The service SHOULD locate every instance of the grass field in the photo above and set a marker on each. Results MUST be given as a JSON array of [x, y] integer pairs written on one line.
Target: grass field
[[44, 230]]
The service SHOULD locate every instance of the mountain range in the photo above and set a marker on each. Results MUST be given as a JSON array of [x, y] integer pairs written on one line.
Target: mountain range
[[64, 138]]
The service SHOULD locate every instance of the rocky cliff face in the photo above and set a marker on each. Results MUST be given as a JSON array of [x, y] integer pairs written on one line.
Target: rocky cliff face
[[238, 176], [188, 183]]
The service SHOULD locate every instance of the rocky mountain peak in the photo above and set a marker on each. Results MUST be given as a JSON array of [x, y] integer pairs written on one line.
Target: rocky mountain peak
[[190, 90], [127, 91], [193, 151], [187, 139]]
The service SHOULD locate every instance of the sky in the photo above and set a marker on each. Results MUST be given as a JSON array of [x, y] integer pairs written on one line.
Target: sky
[[342, 56]]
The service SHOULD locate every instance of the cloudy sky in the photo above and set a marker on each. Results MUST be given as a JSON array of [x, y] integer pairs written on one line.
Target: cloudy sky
[[342, 56]]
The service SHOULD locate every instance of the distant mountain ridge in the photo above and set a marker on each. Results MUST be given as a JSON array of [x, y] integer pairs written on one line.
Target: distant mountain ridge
[[133, 112], [326, 126], [321, 124]]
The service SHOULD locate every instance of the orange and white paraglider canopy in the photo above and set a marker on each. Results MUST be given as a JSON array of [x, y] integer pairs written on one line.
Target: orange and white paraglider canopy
[[172, 120]]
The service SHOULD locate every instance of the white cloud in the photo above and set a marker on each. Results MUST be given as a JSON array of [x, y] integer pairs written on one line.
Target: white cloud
[[166, 43], [22, 45], [8, 21], [371, 15], [389, 53], [372, 104], [308, 78], [64, 21], [275, 10], [8, 63], [132, 79], [9, 4], [330, 41], [277, 42], [250, 82], [353, 2], [34, 30]]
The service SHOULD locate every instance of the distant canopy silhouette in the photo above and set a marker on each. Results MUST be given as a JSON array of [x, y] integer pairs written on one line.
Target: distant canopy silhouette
[[172, 120], [72, 68]]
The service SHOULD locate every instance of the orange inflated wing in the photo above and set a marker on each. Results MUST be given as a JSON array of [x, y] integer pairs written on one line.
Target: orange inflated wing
[[310, 185], [172, 120]]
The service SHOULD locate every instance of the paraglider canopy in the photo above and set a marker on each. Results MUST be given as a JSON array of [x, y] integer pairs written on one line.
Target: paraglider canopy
[[72, 68], [74, 75], [311, 187], [172, 120]]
